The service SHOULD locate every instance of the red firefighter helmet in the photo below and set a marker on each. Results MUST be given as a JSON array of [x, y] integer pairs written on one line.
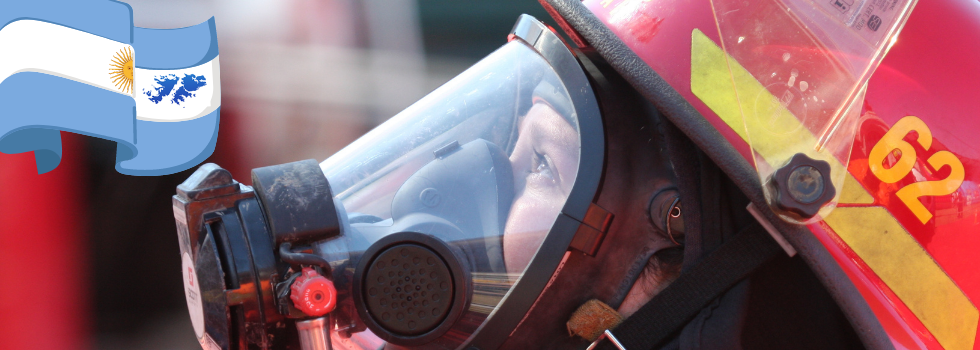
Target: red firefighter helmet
[[893, 109]]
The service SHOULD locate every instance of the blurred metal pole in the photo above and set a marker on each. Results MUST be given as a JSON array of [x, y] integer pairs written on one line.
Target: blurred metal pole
[[313, 334]]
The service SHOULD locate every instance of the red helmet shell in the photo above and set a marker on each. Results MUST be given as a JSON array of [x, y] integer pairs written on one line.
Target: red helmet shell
[[907, 239]]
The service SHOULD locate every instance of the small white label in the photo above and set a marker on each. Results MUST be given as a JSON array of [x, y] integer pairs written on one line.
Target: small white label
[[870, 19], [192, 291]]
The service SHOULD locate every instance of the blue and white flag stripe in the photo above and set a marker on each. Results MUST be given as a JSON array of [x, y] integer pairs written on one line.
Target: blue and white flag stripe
[[171, 129], [166, 78], [49, 48], [60, 71]]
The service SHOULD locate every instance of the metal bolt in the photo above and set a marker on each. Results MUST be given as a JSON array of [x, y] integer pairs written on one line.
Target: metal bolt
[[806, 184]]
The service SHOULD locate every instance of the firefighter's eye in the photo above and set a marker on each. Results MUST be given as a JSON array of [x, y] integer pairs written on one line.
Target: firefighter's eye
[[542, 166]]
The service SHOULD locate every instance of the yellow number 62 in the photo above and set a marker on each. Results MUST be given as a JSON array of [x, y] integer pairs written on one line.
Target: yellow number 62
[[894, 140]]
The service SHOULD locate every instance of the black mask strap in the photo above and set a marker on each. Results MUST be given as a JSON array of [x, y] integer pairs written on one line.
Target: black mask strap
[[680, 302]]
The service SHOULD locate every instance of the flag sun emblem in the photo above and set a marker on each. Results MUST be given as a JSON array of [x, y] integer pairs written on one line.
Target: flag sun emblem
[[121, 70]]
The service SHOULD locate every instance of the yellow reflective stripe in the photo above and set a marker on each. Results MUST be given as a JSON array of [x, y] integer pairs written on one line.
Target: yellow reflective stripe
[[712, 83], [871, 232], [895, 256], [854, 193]]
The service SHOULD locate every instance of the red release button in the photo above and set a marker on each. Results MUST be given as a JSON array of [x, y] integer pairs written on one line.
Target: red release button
[[313, 294]]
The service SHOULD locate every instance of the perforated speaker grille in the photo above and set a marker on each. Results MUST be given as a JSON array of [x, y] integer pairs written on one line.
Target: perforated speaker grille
[[408, 289]]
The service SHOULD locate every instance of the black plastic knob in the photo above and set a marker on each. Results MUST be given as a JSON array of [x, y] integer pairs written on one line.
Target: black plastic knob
[[803, 186]]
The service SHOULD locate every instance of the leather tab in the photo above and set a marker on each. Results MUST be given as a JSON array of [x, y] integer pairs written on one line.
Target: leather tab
[[589, 235]]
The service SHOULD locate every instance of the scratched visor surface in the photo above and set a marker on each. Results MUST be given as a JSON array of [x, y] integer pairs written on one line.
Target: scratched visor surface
[[808, 63], [489, 158]]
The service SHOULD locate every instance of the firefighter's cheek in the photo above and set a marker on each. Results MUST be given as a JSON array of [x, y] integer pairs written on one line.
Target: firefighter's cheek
[[531, 217]]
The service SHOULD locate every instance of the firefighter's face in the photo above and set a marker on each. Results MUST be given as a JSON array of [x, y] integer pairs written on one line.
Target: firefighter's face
[[545, 161], [545, 165]]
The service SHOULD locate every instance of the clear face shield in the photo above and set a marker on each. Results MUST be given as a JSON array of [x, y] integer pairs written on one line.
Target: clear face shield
[[436, 230]]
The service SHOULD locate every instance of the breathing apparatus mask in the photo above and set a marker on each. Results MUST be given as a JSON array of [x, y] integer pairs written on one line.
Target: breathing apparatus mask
[[437, 230]]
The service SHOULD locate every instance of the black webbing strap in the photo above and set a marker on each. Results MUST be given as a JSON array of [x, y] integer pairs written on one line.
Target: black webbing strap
[[677, 304]]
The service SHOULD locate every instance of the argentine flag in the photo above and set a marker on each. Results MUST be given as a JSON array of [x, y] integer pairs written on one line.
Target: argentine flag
[[81, 66]]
